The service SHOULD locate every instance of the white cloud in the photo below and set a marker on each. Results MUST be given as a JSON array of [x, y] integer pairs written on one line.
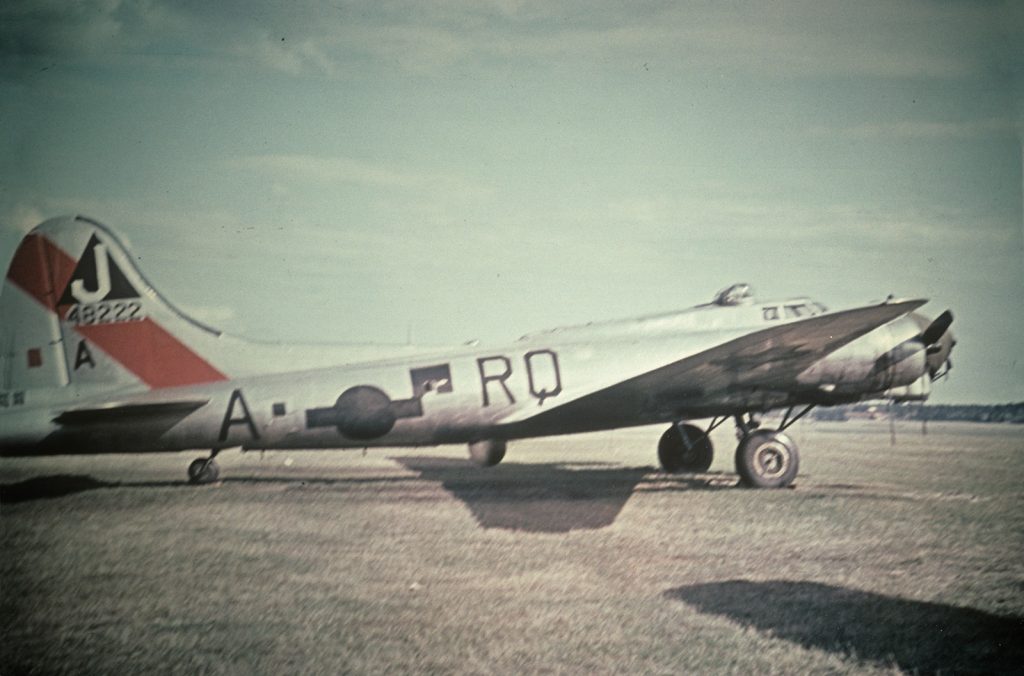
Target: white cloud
[[21, 217], [291, 168], [294, 57], [921, 129], [723, 219], [912, 39]]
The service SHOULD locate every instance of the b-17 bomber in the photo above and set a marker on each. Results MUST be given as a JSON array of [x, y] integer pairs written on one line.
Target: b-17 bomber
[[95, 360]]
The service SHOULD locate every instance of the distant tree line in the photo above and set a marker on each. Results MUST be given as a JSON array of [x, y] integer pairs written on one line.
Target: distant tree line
[[1003, 413]]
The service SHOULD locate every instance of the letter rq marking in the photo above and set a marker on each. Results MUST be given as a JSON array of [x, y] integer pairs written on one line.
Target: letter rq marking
[[500, 378], [546, 363]]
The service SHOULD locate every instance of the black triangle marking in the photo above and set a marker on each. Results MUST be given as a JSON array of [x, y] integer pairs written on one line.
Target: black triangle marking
[[120, 287]]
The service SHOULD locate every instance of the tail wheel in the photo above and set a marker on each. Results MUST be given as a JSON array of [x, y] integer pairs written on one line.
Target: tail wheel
[[685, 448], [767, 459], [203, 471]]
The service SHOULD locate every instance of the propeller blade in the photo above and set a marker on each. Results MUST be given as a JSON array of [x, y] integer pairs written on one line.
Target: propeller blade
[[937, 328]]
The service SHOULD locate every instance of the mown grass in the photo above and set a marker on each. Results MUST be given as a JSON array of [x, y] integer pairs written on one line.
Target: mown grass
[[573, 556]]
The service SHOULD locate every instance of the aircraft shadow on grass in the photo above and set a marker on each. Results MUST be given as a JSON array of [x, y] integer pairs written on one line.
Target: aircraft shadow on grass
[[51, 486], [61, 485], [543, 498], [918, 636]]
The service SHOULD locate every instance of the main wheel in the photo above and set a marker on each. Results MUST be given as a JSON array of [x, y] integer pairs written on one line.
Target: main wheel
[[203, 471], [487, 453], [767, 459], [692, 454]]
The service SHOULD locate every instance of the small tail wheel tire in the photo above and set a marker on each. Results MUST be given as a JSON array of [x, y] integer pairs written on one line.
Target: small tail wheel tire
[[203, 471], [767, 459], [693, 453]]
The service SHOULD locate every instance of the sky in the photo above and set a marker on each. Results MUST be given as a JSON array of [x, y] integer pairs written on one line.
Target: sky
[[366, 172]]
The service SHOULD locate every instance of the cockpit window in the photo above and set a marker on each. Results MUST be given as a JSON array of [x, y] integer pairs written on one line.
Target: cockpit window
[[792, 310]]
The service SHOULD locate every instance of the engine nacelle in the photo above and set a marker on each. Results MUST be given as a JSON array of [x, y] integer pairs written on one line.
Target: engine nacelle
[[892, 357]]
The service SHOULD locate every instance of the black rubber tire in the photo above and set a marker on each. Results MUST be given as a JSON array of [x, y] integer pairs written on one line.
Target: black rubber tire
[[674, 455], [203, 471], [767, 459], [488, 452]]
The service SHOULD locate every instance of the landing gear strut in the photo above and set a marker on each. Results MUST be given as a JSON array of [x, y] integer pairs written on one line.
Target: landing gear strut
[[745, 426], [203, 470]]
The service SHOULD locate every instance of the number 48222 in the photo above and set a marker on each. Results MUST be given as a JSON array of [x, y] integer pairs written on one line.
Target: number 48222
[[106, 313]]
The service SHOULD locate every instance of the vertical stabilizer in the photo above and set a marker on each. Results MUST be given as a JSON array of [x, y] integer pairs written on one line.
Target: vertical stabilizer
[[75, 310]]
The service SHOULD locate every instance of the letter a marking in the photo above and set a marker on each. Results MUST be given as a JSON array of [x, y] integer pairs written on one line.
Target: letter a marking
[[230, 420], [83, 356]]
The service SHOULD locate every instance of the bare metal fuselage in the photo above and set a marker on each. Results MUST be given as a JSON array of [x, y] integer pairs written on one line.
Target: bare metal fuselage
[[462, 395]]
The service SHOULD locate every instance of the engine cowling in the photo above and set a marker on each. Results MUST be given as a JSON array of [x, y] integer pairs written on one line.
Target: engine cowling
[[898, 360]]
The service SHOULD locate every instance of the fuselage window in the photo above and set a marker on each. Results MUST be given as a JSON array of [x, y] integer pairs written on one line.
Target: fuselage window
[[771, 313]]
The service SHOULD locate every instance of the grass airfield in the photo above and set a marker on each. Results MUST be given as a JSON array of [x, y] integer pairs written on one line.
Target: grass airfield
[[575, 555]]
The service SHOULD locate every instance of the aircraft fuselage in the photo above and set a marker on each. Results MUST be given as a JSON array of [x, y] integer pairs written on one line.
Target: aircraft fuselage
[[449, 396]]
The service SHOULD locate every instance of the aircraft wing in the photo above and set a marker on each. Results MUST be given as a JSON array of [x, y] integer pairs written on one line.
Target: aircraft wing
[[767, 360]]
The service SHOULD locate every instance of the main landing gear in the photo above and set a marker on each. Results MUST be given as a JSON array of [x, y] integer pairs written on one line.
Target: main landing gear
[[204, 470], [685, 448], [764, 458], [487, 452]]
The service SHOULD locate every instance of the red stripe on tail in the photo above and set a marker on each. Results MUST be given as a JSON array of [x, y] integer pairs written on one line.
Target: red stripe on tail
[[155, 356], [40, 269]]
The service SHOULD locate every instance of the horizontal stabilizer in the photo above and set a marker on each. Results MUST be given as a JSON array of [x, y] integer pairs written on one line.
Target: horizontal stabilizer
[[128, 412]]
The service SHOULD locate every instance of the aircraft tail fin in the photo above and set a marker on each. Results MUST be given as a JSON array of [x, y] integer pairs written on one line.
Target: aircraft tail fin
[[75, 310]]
